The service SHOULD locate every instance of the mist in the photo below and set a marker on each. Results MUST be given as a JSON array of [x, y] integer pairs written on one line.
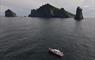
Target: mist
[[23, 7]]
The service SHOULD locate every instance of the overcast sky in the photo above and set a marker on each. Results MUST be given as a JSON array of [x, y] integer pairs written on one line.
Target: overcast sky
[[23, 7]]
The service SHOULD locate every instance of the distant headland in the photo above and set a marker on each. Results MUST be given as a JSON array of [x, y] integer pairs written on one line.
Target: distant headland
[[49, 11]]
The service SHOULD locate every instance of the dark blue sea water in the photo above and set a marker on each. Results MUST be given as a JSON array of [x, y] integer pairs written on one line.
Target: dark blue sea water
[[23, 38]]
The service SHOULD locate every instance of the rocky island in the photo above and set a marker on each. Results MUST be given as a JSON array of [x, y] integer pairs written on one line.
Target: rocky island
[[9, 13], [79, 15], [49, 11]]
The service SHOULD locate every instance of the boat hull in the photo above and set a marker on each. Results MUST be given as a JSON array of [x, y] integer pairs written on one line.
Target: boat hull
[[60, 55]]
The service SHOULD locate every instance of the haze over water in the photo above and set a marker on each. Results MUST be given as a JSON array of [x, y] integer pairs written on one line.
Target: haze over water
[[23, 7], [24, 38]]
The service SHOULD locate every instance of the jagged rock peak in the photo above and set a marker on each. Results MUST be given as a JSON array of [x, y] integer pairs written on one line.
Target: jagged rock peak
[[8, 10], [47, 5]]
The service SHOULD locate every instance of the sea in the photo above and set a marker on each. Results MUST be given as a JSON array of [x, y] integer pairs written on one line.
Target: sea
[[26, 38]]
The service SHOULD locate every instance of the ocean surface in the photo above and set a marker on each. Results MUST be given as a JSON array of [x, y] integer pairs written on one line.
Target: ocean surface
[[24, 38]]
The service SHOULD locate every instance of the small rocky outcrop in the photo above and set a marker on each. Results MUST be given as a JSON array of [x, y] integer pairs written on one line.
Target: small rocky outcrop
[[50, 11], [9, 13], [79, 14]]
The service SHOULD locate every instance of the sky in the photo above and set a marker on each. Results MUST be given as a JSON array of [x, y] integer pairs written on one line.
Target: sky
[[23, 7]]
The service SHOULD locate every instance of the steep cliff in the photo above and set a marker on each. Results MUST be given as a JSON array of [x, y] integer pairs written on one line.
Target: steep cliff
[[79, 14], [50, 11]]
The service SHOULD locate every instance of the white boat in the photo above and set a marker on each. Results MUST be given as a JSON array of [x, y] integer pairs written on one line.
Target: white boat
[[56, 52]]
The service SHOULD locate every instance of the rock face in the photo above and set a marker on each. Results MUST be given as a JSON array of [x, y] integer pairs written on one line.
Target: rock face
[[79, 15], [9, 13], [49, 11]]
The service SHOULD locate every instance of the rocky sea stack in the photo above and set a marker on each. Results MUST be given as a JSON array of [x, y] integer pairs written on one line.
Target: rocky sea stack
[[49, 11], [9, 13], [79, 15]]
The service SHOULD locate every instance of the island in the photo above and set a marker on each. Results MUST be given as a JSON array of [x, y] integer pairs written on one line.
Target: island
[[9, 13], [49, 11], [79, 14]]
